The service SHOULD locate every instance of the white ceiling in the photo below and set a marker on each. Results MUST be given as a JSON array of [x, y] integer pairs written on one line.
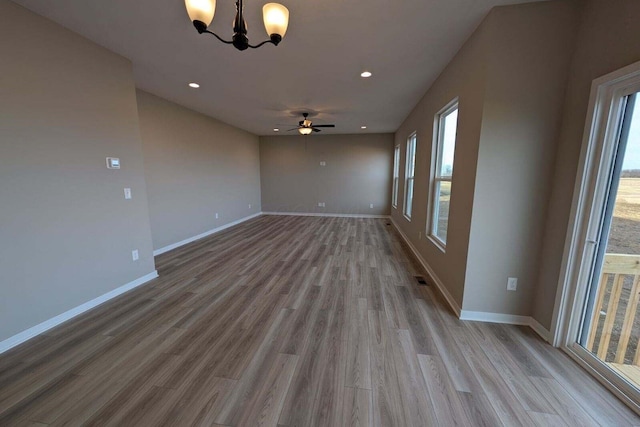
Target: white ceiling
[[405, 43]]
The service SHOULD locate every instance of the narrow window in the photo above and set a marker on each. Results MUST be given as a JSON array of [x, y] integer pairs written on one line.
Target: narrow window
[[396, 176], [446, 123], [409, 173]]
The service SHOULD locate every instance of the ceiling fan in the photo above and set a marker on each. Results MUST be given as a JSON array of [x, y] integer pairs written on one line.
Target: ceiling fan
[[305, 127]]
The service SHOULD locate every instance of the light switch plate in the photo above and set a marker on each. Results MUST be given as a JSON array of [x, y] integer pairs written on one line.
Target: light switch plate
[[127, 193], [135, 255], [113, 163]]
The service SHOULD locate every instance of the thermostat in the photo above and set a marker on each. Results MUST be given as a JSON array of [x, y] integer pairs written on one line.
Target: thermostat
[[113, 163]]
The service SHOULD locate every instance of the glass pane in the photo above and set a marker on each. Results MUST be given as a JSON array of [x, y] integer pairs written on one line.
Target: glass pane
[[409, 202], [396, 162], [395, 191], [413, 156], [443, 192], [449, 125], [612, 329]]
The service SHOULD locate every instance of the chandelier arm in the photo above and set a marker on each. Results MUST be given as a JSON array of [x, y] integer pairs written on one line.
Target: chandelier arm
[[218, 37], [261, 44]]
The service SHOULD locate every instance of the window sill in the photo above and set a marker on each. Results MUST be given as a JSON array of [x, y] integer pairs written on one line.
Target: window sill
[[437, 243]]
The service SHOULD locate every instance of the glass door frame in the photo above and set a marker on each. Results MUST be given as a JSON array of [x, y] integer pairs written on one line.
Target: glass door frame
[[593, 181]]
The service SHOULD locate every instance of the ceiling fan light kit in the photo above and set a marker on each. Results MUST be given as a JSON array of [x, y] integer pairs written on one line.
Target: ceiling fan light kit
[[306, 127], [275, 17]]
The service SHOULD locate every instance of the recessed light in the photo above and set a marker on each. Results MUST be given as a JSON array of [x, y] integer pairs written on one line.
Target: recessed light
[[366, 74], [276, 130], [194, 85], [363, 127]]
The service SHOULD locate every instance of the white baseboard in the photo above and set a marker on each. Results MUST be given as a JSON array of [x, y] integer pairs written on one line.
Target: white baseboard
[[203, 235], [478, 316], [443, 290], [332, 215], [67, 315], [483, 316], [544, 333], [509, 319]]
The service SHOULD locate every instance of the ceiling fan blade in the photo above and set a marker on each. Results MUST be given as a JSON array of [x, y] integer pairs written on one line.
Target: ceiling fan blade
[[316, 130], [324, 126], [289, 130]]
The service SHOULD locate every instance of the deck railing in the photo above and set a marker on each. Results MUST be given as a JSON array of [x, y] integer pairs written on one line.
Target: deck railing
[[616, 309]]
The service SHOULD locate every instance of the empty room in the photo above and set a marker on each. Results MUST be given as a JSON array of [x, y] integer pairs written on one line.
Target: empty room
[[369, 213]]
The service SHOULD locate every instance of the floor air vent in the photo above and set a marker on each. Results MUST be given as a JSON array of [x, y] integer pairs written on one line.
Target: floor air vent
[[421, 281]]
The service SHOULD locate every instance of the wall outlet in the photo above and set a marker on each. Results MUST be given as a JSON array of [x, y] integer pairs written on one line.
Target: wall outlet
[[127, 193], [321, 204], [135, 255], [217, 215], [512, 284], [249, 205], [370, 205]]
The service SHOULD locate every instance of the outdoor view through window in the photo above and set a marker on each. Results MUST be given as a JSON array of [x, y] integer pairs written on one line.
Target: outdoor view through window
[[613, 330], [446, 144]]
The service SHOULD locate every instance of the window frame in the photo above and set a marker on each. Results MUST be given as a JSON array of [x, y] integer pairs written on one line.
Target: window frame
[[436, 176], [396, 177], [599, 148], [410, 157]]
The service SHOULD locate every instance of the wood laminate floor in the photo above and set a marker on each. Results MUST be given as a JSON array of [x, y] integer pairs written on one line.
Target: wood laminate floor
[[293, 321]]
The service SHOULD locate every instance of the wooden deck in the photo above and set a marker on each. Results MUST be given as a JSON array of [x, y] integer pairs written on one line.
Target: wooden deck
[[630, 372]]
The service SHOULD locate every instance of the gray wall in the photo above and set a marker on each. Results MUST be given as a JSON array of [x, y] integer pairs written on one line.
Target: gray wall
[[66, 231], [195, 167], [509, 77], [607, 40], [464, 78], [358, 173], [530, 48]]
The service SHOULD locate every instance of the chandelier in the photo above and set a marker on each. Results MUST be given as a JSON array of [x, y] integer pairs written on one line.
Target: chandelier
[[274, 15]]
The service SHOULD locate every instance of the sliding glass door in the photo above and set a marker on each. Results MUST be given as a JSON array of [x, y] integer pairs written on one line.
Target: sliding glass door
[[611, 323], [597, 319]]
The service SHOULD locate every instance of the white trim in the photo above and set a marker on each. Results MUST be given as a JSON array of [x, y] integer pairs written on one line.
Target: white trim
[[412, 141], [437, 243], [509, 319], [478, 316], [70, 314], [435, 177], [203, 235], [443, 290], [395, 190], [540, 330], [334, 215], [484, 316], [599, 370], [563, 322], [584, 231]]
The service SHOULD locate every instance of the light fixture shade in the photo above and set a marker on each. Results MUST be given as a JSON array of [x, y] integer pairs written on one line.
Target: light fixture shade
[[201, 10], [305, 131], [276, 18]]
